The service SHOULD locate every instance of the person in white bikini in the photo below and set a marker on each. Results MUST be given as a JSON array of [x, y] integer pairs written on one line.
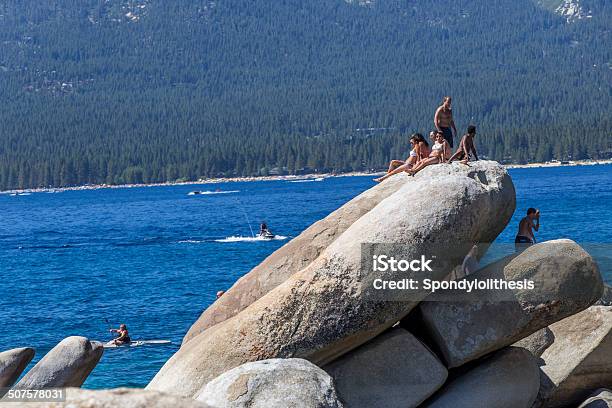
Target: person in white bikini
[[423, 147], [419, 149], [440, 152]]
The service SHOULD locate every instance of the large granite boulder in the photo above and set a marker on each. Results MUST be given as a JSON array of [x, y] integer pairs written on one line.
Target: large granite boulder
[[580, 358], [292, 257], [275, 383], [118, 397], [393, 370], [66, 365], [12, 364], [566, 280], [329, 307], [601, 398], [507, 379], [537, 342]]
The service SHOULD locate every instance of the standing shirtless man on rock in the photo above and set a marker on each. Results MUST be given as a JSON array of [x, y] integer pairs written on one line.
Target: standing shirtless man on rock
[[443, 120]]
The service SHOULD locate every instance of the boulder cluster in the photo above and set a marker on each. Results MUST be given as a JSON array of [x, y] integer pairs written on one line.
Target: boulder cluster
[[302, 330], [66, 365]]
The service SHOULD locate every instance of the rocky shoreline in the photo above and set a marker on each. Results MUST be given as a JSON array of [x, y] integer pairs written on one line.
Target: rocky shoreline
[[303, 330], [314, 176]]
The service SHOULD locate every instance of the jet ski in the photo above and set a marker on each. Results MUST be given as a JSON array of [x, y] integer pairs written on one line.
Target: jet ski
[[266, 234]]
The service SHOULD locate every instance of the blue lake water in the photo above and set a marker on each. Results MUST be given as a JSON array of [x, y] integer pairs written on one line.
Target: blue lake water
[[151, 257]]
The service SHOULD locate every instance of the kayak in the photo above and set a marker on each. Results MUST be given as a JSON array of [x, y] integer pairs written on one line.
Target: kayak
[[136, 343]]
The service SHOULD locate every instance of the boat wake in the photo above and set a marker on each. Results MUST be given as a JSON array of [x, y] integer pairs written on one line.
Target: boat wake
[[308, 180], [137, 343], [212, 192], [251, 239]]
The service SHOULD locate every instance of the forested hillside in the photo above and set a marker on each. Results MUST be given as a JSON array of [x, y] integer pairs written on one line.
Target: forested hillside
[[123, 91]]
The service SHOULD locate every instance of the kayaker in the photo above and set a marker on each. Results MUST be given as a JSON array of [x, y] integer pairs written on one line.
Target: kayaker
[[124, 337]]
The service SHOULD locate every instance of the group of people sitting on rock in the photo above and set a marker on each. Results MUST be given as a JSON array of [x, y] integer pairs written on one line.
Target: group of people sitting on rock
[[421, 155]]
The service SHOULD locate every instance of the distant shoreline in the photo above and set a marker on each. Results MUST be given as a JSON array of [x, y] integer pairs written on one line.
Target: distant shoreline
[[313, 177], [558, 164]]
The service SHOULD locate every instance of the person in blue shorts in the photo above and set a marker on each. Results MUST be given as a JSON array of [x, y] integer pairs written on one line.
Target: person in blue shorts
[[443, 120]]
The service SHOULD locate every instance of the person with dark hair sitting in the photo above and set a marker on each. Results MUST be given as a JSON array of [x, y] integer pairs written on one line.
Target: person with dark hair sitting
[[440, 152], [420, 150], [528, 224], [467, 149]]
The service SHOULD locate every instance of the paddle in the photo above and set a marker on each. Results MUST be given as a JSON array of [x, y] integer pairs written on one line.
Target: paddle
[[109, 327]]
